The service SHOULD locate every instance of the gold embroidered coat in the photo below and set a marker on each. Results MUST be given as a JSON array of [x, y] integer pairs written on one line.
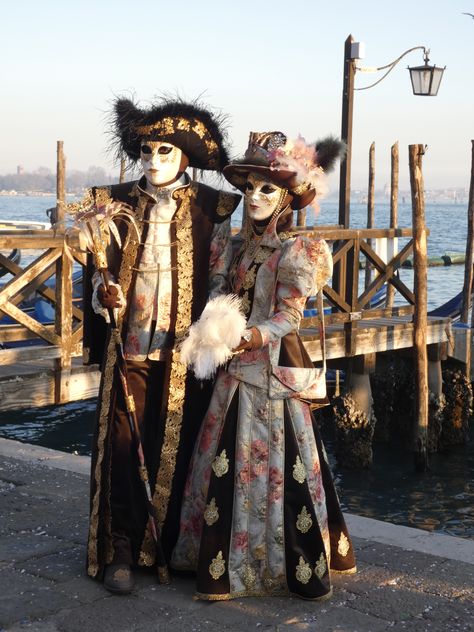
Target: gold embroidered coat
[[199, 209]]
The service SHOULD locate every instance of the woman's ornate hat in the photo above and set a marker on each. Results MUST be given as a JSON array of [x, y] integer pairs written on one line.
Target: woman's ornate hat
[[192, 127], [293, 165]]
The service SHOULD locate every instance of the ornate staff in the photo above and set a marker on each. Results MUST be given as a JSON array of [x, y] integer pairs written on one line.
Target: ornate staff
[[96, 227]]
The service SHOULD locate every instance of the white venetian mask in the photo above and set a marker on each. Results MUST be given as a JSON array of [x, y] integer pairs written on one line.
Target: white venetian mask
[[160, 162], [262, 197]]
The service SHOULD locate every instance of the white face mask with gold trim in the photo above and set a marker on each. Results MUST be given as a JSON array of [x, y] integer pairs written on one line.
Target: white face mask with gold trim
[[160, 162], [262, 197]]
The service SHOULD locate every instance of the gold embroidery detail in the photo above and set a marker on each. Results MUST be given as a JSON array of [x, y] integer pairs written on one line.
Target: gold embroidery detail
[[199, 129], [183, 125], [304, 522], [301, 188], [262, 254], [226, 203], [220, 465], [211, 514], [249, 576], [178, 373], [299, 471], [245, 303], [321, 567], [303, 571], [249, 279], [217, 566], [343, 545], [259, 552], [211, 146]]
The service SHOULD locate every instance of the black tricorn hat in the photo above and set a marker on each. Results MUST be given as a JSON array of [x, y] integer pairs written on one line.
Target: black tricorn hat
[[293, 165], [192, 127]]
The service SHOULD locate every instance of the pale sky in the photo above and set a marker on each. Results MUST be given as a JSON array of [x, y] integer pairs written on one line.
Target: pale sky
[[268, 64]]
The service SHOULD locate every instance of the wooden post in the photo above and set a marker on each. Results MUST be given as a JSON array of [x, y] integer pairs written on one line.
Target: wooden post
[[63, 314], [301, 217], [60, 182], [370, 209], [420, 318], [122, 170], [467, 288], [393, 209]]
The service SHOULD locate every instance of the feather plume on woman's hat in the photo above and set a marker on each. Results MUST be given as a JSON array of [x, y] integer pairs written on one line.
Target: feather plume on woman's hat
[[191, 126], [294, 165]]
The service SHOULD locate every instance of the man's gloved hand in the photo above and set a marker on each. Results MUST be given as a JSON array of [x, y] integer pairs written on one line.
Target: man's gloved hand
[[109, 298]]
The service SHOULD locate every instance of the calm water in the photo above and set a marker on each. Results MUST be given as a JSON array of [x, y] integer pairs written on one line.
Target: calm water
[[440, 500]]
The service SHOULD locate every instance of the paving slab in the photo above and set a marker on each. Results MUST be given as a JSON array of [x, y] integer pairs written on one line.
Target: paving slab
[[410, 582]]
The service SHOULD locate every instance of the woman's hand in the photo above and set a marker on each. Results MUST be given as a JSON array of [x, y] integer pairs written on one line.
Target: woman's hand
[[251, 340]]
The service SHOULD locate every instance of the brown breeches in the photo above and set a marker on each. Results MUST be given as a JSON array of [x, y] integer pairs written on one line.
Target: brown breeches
[[127, 496]]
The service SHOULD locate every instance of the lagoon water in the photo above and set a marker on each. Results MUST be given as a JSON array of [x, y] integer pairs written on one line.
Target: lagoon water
[[441, 500]]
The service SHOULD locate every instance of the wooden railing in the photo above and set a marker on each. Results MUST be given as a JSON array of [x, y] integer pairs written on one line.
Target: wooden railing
[[63, 338]]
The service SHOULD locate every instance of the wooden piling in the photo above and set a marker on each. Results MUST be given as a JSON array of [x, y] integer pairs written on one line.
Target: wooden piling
[[420, 319], [60, 182], [63, 312], [468, 271], [393, 208], [301, 217], [122, 170], [370, 208]]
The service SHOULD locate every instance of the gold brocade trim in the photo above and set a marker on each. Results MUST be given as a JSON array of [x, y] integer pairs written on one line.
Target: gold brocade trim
[[262, 254], [257, 593], [349, 571], [303, 571], [93, 564], [304, 522], [211, 513], [249, 576], [128, 259], [299, 471], [321, 567], [171, 124], [217, 566], [178, 373], [343, 545], [226, 203], [249, 278], [220, 465]]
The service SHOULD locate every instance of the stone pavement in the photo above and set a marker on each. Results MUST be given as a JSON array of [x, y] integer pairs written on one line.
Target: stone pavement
[[408, 580]]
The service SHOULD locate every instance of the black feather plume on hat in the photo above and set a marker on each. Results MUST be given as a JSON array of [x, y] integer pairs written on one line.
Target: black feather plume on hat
[[328, 150], [206, 148]]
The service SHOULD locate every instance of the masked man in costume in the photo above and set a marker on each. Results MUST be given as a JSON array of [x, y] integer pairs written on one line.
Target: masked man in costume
[[162, 280]]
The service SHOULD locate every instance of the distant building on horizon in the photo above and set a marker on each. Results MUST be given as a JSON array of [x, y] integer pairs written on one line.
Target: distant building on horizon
[[19, 170]]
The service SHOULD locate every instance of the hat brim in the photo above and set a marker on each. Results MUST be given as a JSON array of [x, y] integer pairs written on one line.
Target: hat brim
[[237, 174]]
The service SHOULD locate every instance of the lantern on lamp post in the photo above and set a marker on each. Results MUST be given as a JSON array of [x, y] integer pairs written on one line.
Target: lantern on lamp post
[[425, 79]]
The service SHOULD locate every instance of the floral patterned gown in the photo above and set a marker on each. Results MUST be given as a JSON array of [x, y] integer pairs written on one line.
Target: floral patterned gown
[[260, 514]]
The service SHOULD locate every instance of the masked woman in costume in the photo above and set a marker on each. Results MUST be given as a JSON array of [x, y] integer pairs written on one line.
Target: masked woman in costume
[[260, 514]]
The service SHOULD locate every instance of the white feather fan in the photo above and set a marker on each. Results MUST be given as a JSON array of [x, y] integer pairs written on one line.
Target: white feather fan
[[211, 339]]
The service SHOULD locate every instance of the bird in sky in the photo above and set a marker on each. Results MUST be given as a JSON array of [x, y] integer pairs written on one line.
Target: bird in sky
[[471, 14]]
